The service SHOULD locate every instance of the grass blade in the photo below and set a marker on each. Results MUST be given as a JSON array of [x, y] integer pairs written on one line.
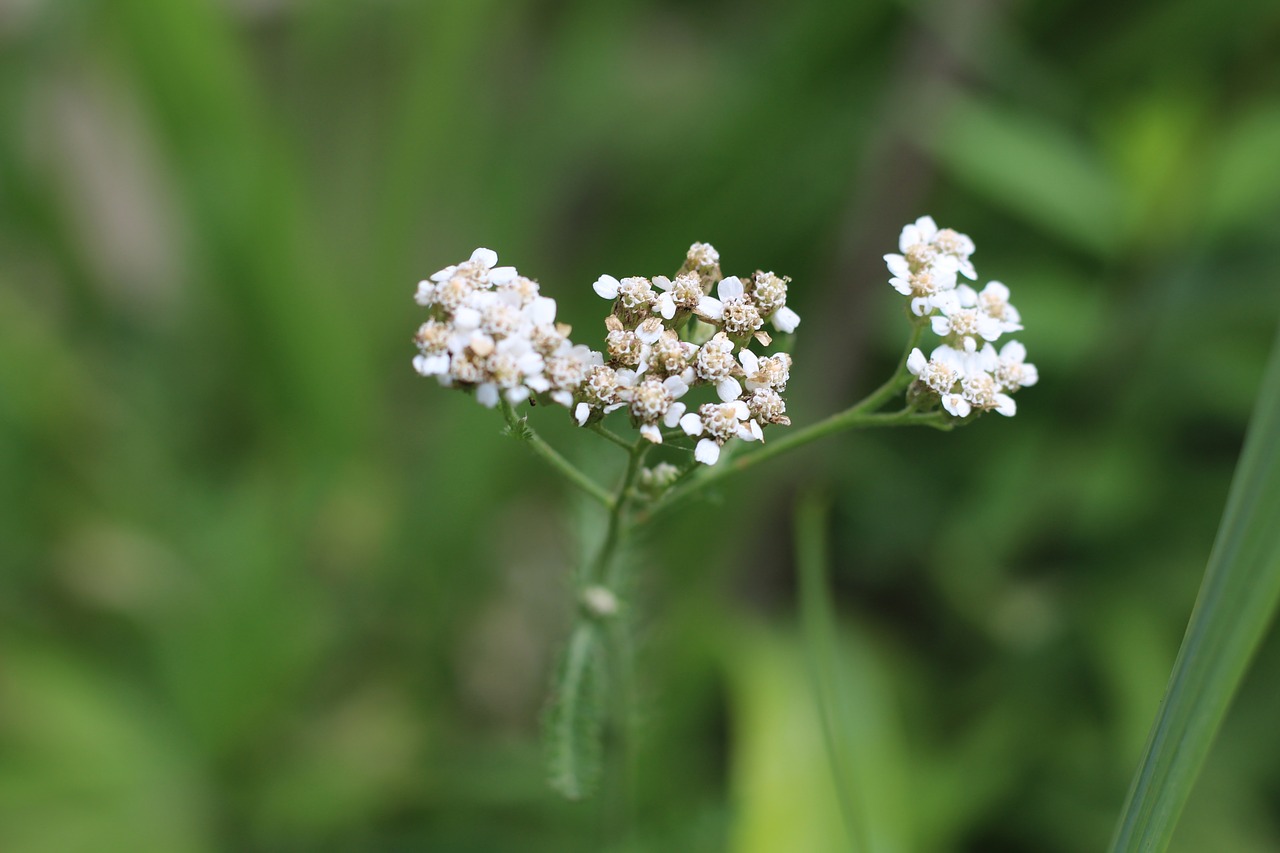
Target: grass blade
[[817, 620], [1233, 610]]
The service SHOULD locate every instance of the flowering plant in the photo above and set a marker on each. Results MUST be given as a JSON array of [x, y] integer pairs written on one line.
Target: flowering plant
[[492, 333]]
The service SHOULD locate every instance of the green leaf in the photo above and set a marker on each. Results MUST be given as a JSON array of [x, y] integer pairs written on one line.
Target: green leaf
[[852, 703], [1236, 603], [574, 722]]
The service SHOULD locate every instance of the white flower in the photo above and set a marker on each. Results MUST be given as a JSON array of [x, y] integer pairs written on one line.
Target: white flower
[[772, 371], [1012, 372], [478, 266], [703, 255], [940, 372], [965, 325], [994, 300], [714, 363], [983, 392], [734, 310], [720, 422], [683, 294], [656, 400]]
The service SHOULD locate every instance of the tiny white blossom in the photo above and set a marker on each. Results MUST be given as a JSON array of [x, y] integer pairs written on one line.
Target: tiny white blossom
[[1012, 370], [965, 326]]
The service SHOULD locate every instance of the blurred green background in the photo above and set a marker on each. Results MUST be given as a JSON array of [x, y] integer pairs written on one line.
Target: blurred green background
[[265, 589]]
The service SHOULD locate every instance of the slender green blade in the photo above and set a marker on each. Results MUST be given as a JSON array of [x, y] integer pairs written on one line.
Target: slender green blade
[[852, 701], [1235, 606]]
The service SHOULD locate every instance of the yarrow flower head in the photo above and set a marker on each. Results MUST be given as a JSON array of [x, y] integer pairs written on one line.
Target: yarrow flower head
[[491, 332], [964, 373]]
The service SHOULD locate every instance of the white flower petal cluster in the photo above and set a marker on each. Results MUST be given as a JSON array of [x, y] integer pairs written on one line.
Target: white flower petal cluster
[[667, 336], [965, 373], [491, 330]]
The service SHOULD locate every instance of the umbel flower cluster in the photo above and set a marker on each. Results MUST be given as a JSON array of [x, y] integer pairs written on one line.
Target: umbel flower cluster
[[964, 373], [492, 332]]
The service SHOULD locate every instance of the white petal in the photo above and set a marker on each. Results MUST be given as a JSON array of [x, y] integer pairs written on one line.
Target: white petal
[[739, 409], [916, 361], [947, 301], [785, 320], [756, 432], [661, 282], [432, 365], [530, 363], [941, 326], [1013, 351], [465, 319], [502, 275], [541, 311], [928, 228], [562, 397], [672, 418], [426, 293], [898, 266], [909, 237], [707, 452], [966, 268], [651, 432], [487, 395], [730, 287], [1005, 405], [728, 389], [750, 361], [956, 405], [648, 335], [967, 295], [921, 305], [488, 258], [444, 274], [666, 306], [986, 360], [581, 413], [1030, 376], [996, 289], [902, 285], [676, 386], [606, 286], [516, 395], [625, 376], [710, 307], [691, 424]]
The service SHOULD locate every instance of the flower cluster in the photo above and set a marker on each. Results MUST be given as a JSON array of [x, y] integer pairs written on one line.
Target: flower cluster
[[965, 373], [491, 331], [667, 336]]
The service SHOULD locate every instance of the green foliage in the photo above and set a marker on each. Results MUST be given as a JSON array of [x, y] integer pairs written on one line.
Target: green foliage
[[262, 588], [1233, 612]]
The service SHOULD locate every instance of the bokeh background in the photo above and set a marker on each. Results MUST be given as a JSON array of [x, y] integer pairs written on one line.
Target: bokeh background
[[265, 589]]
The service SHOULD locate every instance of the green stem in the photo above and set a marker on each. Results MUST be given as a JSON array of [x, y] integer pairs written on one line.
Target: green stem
[[861, 415], [520, 429], [603, 431], [600, 572]]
